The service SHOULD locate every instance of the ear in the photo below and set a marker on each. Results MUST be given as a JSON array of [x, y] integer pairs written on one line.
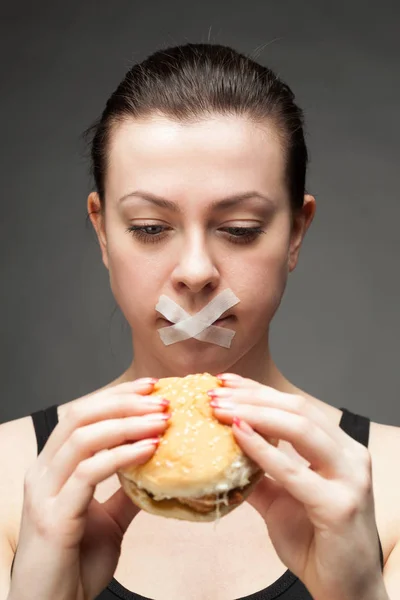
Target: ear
[[301, 222], [97, 217]]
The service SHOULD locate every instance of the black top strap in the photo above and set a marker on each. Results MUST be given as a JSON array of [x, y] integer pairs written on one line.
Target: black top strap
[[356, 426], [44, 422]]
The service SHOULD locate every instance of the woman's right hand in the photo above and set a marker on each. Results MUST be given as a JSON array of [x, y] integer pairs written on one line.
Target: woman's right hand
[[69, 543]]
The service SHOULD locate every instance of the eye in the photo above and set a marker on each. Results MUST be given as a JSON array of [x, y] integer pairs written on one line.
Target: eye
[[154, 233], [146, 233], [243, 235]]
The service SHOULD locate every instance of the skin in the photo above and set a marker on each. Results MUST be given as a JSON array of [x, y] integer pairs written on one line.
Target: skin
[[333, 547], [193, 165]]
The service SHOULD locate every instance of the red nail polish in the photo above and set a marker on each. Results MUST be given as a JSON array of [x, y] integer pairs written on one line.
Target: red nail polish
[[157, 417], [165, 416], [156, 401], [147, 442], [220, 393], [243, 426], [228, 376], [154, 441], [146, 381]]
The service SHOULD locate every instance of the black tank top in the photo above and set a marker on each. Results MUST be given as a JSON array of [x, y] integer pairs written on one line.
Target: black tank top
[[288, 586]]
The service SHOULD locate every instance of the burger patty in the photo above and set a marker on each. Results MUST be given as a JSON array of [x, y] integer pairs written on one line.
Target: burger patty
[[207, 503]]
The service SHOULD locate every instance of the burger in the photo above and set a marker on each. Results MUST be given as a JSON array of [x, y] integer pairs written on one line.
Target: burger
[[198, 471]]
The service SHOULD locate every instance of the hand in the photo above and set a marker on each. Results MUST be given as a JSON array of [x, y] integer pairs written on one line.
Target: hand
[[70, 543], [320, 516]]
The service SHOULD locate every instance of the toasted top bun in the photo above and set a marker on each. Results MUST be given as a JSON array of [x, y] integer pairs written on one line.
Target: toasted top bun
[[197, 455]]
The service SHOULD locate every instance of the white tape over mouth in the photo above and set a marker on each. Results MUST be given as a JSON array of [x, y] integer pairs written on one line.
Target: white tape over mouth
[[199, 326]]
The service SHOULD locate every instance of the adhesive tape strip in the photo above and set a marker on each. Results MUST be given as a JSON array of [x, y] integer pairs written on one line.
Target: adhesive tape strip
[[199, 325], [174, 313]]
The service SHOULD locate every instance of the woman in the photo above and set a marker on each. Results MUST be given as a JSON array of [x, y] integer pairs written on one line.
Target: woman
[[199, 164]]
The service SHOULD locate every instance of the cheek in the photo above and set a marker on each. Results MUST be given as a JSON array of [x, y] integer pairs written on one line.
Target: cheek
[[135, 281], [262, 282], [265, 290]]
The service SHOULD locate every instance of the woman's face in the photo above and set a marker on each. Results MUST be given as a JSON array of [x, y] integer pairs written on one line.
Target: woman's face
[[190, 248]]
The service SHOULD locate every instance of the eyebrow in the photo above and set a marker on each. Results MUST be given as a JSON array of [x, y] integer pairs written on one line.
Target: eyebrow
[[216, 204]]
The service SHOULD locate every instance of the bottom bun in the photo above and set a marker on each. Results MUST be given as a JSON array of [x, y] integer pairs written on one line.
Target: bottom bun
[[175, 508]]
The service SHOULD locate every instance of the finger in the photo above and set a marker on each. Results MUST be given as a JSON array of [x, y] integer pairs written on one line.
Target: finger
[[303, 484], [307, 438], [264, 494], [74, 498], [121, 509], [123, 400], [261, 395], [86, 441], [233, 380]]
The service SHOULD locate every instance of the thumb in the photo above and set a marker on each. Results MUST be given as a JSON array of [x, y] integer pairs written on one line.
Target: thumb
[[121, 509], [264, 494]]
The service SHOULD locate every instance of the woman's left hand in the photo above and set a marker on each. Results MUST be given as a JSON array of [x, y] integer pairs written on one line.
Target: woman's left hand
[[320, 516]]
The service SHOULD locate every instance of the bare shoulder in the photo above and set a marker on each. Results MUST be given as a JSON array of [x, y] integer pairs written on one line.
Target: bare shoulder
[[384, 448], [18, 446], [18, 449]]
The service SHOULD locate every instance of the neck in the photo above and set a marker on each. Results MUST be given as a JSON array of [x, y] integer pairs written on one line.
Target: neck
[[257, 364]]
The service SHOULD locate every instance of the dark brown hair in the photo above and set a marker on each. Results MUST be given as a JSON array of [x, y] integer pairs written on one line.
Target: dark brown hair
[[193, 81]]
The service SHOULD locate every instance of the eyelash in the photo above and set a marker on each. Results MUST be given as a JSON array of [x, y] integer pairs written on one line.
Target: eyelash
[[250, 234]]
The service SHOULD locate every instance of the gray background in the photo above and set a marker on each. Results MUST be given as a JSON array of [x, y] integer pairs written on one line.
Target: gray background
[[336, 333]]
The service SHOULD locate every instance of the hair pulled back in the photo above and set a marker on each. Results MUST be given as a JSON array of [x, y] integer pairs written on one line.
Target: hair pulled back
[[191, 82]]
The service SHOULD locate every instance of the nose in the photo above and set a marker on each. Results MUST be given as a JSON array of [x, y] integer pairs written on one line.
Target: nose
[[195, 268]]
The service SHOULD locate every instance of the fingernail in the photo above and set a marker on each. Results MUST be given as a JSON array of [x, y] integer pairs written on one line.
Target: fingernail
[[220, 393], [243, 426], [158, 417], [156, 401], [146, 380], [228, 376], [148, 442], [222, 404]]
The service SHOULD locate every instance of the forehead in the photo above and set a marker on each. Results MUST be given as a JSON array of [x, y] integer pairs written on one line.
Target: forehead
[[219, 155]]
